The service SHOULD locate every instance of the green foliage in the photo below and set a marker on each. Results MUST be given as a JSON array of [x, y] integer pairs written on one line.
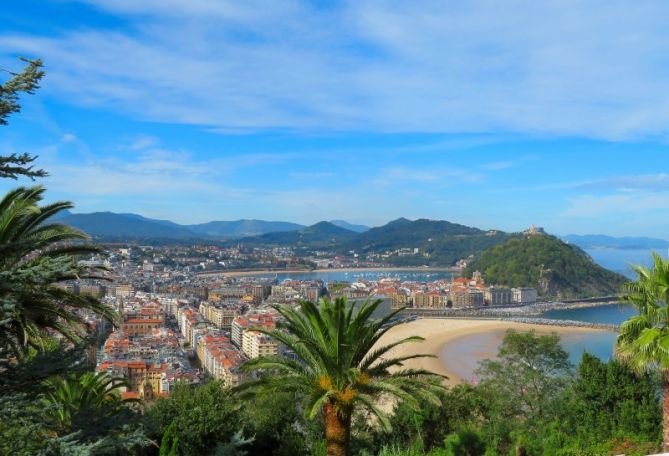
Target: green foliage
[[465, 442], [200, 417], [554, 268], [89, 403], [643, 339], [522, 386], [34, 256], [430, 423], [27, 81], [340, 369], [235, 446], [529, 402], [169, 445]]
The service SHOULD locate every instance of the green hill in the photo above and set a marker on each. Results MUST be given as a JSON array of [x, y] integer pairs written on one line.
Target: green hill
[[554, 268], [439, 243], [320, 235]]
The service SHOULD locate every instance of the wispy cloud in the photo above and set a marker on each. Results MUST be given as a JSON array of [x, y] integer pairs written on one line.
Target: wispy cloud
[[444, 176], [543, 68], [496, 166], [594, 206], [652, 182]]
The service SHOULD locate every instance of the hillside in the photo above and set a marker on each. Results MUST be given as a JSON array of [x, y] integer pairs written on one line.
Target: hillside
[[439, 243], [115, 226], [350, 226], [108, 225], [242, 228], [553, 267], [320, 235]]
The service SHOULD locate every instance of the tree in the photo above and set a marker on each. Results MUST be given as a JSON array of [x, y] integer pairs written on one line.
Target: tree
[[523, 384], [643, 341], [34, 256], [340, 368], [85, 402], [200, 417], [606, 401], [27, 81]]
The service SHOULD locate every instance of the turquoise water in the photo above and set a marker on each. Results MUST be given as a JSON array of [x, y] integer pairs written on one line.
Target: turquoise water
[[613, 314]]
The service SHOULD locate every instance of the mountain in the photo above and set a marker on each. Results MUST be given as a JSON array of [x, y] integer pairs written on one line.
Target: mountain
[[242, 228], [599, 241], [115, 226], [320, 235], [109, 225], [350, 226], [439, 243], [553, 267]]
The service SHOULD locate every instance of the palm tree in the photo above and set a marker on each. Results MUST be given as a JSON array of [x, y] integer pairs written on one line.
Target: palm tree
[[34, 256], [340, 367], [643, 341], [75, 399]]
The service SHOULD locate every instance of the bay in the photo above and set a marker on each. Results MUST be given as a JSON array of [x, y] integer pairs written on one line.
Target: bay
[[334, 275]]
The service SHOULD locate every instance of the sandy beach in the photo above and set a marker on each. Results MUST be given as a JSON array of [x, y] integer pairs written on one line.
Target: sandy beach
[[302, 271], [440, 332]]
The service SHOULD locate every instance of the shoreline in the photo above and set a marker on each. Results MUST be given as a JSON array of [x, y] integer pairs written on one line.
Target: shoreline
[[242, 273], [438, 333]]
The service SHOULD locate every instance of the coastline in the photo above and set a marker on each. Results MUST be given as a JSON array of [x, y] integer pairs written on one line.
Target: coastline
[[440, 332], [242, 273]]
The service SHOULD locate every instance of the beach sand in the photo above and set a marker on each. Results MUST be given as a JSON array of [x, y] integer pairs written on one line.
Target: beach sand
[[440, 332]]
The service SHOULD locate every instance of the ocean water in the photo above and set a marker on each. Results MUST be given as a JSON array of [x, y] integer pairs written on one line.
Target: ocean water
[[618, 260], [371, 274], [612, 314]]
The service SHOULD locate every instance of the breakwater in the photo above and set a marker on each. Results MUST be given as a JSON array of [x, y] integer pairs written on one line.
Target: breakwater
[[564, 323], [526, 320], [511, 312]]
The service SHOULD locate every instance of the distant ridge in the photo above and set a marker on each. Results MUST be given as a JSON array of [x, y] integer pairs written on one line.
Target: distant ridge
[[594, 241], [320, 235], [242, 228], [120, 226], [108, 225], [350, 226]]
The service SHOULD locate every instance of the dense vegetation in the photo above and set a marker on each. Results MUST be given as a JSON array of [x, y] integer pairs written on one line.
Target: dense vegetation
[[554, 268], [439, 243], [598, 408], [322, 235], [644, 338]]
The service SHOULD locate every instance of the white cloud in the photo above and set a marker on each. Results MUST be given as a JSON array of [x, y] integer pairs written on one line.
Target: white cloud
[[589, 68], [593, 206]]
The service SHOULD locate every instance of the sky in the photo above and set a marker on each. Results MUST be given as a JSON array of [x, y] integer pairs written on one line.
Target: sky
[[491, 114]]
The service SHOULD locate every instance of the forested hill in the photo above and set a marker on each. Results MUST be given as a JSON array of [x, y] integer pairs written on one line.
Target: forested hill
[[437, 242], [554, 268]]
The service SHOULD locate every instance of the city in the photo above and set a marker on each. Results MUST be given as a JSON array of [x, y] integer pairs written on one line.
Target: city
[[358, 228]]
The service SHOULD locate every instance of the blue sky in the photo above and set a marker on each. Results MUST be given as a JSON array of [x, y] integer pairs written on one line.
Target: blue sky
[[493, 114]]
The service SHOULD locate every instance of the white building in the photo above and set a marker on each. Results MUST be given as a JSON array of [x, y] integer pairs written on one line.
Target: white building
[[524, 296]]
